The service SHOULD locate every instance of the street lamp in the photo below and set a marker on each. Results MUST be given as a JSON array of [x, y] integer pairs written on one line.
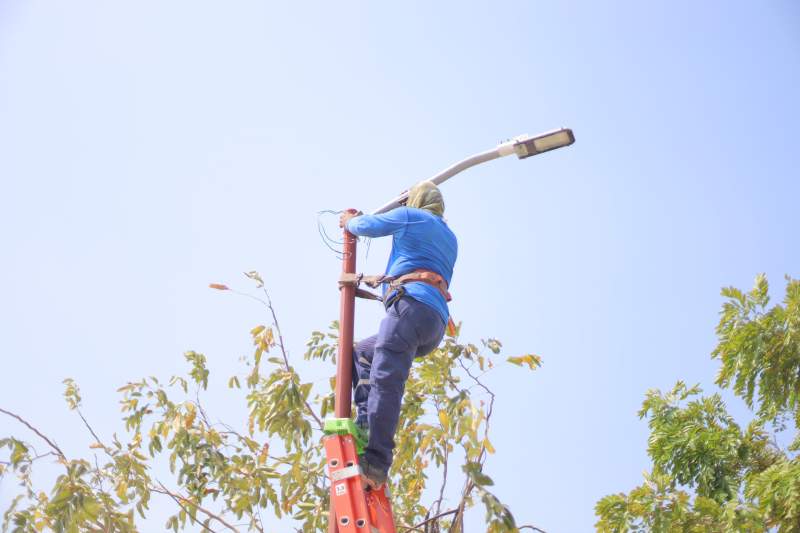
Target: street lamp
[[552, 140], [524, 146]]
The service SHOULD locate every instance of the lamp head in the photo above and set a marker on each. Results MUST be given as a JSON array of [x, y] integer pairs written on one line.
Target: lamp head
[[552, 140]]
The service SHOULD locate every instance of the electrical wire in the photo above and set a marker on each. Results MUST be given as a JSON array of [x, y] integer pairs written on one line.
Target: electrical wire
[[332, 244], [329, 241]]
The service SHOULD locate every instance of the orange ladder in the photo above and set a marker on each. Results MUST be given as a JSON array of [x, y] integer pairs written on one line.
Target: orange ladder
[[357, 508]]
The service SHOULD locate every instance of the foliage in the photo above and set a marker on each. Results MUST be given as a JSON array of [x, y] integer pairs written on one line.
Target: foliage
[[760, 350], [222, 479], [710, 474]]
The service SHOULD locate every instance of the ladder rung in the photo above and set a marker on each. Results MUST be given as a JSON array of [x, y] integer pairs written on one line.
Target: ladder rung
[[345, 473]]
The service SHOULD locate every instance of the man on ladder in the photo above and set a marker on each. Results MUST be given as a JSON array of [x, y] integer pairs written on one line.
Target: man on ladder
[[415, 294]]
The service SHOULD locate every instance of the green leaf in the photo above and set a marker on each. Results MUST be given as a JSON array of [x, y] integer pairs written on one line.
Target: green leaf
[[531, 361]]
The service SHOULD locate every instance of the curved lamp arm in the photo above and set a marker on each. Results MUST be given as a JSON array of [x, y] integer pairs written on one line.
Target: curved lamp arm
[[524, 146]]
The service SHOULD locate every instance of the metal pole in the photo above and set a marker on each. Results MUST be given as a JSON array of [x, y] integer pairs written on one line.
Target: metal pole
[[347, 303], [344, 361]]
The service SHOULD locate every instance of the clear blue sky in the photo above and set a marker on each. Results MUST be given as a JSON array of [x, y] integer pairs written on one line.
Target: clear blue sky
[[148, 148]]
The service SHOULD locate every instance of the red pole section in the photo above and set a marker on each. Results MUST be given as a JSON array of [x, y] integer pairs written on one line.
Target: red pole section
[[344, 363]]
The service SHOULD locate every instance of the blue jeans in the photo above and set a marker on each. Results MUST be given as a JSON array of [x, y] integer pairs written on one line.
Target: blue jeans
[[381, 364]]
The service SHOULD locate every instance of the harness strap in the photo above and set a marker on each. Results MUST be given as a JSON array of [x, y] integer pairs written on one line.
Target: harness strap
[[396, 285], [425, 276], [357, 279], [350, 279], [361, 293]]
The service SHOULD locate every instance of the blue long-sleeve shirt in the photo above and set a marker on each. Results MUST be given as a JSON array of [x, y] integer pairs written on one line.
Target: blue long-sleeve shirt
[[419, 240]]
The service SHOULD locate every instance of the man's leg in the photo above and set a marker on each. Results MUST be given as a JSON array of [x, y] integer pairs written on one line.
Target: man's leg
[[362, 364], [408, 326], [394, 350]]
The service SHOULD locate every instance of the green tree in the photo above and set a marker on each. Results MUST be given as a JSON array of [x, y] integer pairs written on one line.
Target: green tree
[[222, 479], [709, 473]]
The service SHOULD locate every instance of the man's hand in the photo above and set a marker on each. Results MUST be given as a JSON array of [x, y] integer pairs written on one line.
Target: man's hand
[[347, 215]]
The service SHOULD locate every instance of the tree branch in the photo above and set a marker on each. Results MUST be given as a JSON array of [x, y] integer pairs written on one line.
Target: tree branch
[[37, 457], [268, 304], [48, 441], [418, 527], [96, 438], [285, 355], [458, 522], [177, 497], [185, 510], [438, 502], [489, 410], [203, 415]]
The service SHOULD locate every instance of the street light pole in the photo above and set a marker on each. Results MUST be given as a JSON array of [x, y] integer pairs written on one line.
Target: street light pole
[[344, 361]]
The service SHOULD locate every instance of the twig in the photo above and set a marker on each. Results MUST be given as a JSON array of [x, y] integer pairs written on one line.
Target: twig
[[458, 522], [534, 528], [444, 479], [54, 454], [283, 351], [185, 510], [203, 415], [85, 423], [268, 304], [489, 410], [260, 520], [48, 441], [99, 476], [438, 502], [429, 520], [178, 497]]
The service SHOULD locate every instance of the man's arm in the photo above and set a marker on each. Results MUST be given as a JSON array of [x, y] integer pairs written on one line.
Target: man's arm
[[375, 225]]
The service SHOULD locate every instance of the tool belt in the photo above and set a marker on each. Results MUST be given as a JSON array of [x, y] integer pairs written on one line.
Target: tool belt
[[396, 290], [395, 283]]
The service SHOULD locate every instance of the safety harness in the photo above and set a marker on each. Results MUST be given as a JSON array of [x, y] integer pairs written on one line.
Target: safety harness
[[396, 290]]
